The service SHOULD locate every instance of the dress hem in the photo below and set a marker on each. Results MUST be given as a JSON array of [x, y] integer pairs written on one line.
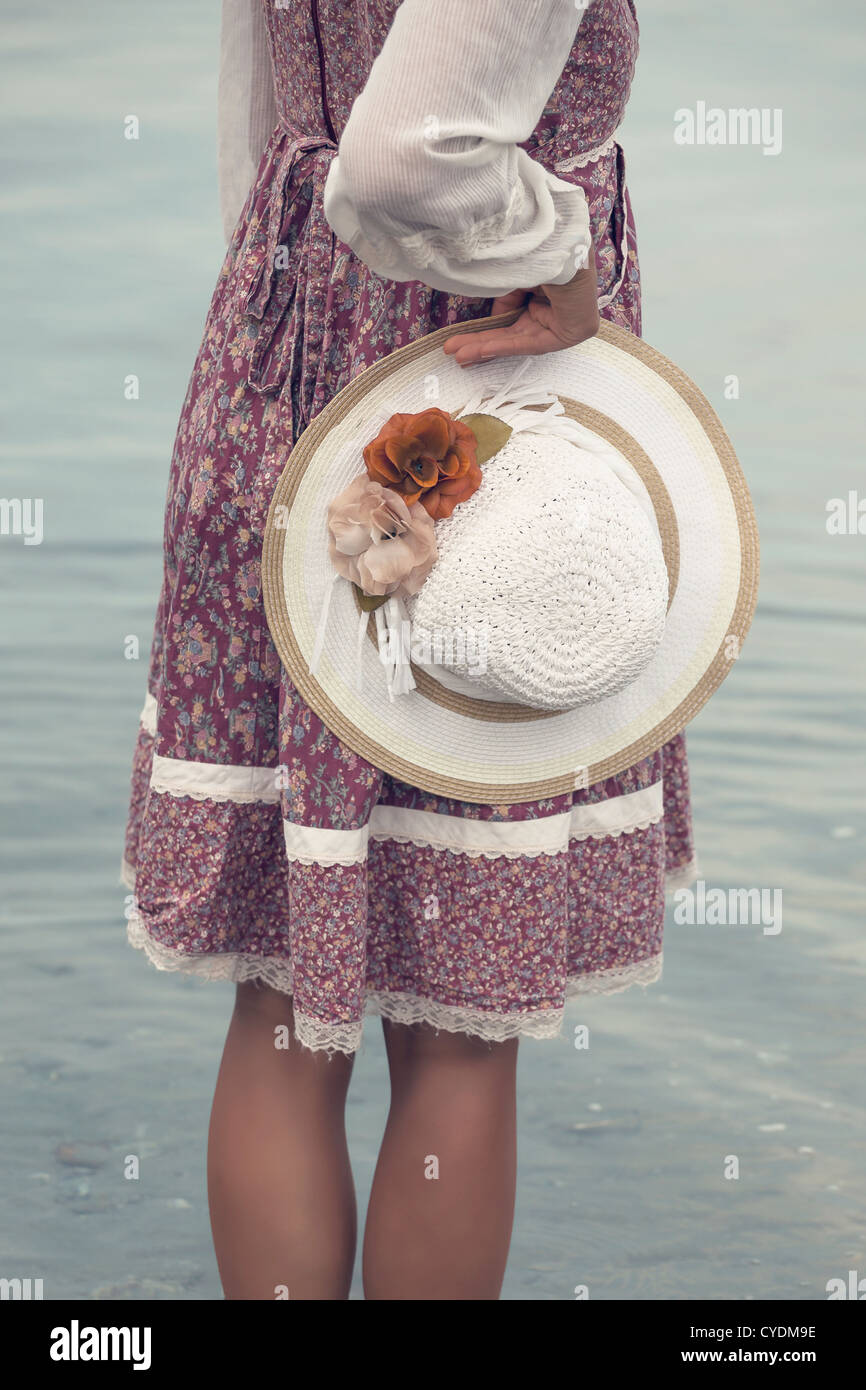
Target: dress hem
[[681, 876], [395, 1005]]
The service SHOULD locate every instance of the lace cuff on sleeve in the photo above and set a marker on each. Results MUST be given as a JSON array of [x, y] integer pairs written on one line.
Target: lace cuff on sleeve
[[540, 236], [429, 182]]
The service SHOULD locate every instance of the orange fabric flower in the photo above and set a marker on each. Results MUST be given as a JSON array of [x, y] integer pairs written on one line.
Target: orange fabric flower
[[427, 458]]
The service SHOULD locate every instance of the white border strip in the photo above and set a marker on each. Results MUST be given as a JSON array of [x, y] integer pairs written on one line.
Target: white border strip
[[312, 845], [215, 781], [547, 835], [616, 815], [580, 161]]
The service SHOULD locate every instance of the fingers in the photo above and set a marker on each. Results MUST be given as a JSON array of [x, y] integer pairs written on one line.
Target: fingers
[[506, 302], [457, 346], [467, 348]]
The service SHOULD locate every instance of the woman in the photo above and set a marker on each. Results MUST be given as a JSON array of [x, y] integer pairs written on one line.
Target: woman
[[478, 160]]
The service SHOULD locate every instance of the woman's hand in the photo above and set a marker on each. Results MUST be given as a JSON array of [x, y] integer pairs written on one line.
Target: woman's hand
[[553, 317]]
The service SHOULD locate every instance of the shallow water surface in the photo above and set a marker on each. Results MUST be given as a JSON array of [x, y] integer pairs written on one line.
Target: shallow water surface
[[752, 1044]]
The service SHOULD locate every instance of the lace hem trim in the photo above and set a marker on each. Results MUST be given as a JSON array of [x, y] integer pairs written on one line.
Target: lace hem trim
[[616, 979], [230, 965], [219, 798], [524, 853], [683, 876], [580, 161], [398, 1007]]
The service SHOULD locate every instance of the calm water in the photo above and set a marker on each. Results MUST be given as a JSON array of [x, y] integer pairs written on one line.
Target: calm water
[[752, 1045]]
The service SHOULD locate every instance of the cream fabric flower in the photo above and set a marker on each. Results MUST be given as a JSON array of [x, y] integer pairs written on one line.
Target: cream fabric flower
[[378, 542]]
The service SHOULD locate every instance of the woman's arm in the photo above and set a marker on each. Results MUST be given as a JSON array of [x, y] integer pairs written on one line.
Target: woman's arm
[[429, 183], [245, 104]]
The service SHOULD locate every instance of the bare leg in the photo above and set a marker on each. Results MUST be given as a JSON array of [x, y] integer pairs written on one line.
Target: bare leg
[[282, 1203], [452, 1108]]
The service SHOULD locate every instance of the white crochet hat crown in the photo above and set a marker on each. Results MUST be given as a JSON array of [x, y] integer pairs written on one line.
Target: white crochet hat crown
[[550, 589], [586, 599]]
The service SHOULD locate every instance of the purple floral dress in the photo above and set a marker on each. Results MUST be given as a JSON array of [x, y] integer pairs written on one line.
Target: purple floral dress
[[485, 940]]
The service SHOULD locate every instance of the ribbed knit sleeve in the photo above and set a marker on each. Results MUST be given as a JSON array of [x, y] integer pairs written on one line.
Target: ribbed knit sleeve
[[429, 183], [245, 104]]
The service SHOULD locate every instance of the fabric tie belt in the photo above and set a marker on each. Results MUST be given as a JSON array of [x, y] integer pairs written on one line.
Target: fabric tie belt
[[281, 276], [288, 275]]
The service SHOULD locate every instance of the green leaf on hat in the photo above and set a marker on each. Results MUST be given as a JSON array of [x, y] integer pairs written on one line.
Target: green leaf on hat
[[369, 602], [491, 433]]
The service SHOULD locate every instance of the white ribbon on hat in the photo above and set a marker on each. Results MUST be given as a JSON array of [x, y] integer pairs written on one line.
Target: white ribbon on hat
[[510, 406]]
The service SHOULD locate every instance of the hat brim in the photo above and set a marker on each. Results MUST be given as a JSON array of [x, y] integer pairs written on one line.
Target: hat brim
[[476, 750]]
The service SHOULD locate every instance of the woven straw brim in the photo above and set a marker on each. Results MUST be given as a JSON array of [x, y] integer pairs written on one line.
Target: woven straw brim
[[474, 750]]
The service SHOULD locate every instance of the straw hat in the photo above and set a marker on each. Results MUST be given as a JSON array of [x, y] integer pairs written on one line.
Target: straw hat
[[568, 617]]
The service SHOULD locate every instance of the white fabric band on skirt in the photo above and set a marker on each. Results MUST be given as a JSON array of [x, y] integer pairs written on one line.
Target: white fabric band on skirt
[[615, 815]]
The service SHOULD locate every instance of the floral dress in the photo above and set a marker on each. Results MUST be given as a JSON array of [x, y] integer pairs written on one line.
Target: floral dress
[[236, 782]]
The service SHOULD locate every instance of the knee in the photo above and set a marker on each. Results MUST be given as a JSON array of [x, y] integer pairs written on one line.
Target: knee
[[453, 1086], [265, 1017], [420, 1044], [259, 1002]]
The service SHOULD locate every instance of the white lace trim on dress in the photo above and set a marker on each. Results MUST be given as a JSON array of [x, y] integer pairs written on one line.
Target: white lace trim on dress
[[580, 161], [399, 1007], [229, 965], [215, 781], [617, 815], [614, 816], [312, 845]]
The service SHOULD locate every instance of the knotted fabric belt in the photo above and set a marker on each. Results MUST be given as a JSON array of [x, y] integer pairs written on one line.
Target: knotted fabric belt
[[279, 284], [294, 227]]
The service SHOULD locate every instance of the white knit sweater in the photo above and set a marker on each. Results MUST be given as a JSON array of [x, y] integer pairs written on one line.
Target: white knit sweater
[[428, 183]]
